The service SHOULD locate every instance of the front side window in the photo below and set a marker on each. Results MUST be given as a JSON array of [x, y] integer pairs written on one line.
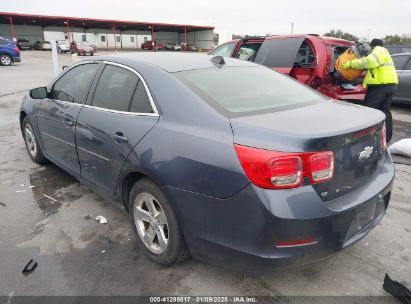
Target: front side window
[[400, 61], [73, 86], [247, 89], [224, 50], [115, 88]]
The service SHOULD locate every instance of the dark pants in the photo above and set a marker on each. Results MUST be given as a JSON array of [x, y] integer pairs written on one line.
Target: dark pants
[[380, 97]]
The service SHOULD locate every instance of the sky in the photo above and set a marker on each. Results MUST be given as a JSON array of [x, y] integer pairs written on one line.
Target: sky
[[364, 18]]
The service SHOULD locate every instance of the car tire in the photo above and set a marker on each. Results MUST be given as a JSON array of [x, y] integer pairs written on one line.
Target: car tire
[[91, 54], [32, 143], [5, 60], [155, 224]]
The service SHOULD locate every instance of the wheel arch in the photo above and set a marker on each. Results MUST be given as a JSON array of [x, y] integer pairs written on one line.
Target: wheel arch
[[22, 115], [128, 181]]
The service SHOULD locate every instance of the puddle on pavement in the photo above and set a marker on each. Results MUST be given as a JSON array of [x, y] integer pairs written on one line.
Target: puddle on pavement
[[53, 187]]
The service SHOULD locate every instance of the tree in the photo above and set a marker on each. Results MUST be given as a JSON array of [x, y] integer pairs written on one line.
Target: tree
[[342, 35], [397, 40]]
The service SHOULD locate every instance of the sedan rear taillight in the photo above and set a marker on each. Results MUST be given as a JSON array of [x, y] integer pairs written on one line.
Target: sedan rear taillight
[[321, 166], [383, 138], [281, 170]]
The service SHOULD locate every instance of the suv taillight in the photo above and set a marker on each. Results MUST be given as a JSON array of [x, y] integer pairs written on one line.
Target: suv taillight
[[281, 170], [383, 138]]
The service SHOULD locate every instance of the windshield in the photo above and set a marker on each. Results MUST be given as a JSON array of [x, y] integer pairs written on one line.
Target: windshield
[[84, 44], [247, 89], [62, 42]]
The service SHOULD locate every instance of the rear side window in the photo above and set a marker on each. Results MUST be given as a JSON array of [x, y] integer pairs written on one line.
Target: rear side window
[[141, 102], [400, 61], [73, 86], [248, 51], [247, 89], [115, 88], [224, 50]]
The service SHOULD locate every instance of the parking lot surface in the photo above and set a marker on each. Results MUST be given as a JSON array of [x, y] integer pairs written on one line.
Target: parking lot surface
[[44, 211]]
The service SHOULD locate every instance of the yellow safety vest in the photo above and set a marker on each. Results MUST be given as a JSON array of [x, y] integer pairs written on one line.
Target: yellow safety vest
[[379, 65]]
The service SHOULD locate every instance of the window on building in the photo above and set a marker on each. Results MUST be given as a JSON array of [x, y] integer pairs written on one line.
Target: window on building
[[83, 37], [131, 38], [118, 38], [103, 38], [145, 39]]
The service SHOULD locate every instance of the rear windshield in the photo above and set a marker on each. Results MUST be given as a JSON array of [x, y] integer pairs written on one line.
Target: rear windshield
[[245, 90]]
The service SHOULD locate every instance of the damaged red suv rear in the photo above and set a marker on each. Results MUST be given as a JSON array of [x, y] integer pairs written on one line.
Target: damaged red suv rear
[[308, 58]]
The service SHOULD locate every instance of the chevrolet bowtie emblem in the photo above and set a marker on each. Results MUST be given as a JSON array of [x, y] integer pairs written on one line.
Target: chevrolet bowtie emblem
[[366, 153]]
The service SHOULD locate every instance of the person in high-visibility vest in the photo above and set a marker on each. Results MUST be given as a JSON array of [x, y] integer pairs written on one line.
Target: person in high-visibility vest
[[380, 80]]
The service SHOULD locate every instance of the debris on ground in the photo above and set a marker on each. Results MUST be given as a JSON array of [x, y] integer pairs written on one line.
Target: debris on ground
[[18, 191], [88, 216], [31, 265], [401, 147], [102, 251], [2, 204], [31, 186], [397, 290], [101, 219], [49, 197], [21, 185]]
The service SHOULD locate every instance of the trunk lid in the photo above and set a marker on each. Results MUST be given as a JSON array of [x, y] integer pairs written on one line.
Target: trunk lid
[[352, 132]]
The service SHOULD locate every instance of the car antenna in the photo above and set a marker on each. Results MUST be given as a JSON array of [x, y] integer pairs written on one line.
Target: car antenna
[[218, 60]]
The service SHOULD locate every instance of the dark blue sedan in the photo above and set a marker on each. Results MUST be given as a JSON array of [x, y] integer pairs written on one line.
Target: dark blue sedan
[[220, 159]]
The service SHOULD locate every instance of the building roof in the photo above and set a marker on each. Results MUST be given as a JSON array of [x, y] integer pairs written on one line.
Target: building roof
[[86, 23]]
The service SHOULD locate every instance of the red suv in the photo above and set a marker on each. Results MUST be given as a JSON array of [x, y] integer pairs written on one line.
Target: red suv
[[148, 45], [308, 58]]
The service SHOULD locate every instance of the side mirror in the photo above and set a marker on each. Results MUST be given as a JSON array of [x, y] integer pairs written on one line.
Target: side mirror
[[38, 93], [65, 67]]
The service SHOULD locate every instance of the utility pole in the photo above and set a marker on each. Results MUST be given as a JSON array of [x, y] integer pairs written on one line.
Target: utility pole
[[292, 28]]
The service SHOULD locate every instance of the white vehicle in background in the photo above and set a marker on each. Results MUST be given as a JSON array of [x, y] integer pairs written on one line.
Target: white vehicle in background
[[63, 46], [173, 46]]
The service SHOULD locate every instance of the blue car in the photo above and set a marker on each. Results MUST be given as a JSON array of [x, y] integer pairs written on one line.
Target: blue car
[[221, 159], [9, 52]]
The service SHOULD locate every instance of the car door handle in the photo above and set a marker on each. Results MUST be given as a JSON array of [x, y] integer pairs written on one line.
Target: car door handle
[[68, 123], [119, 137]]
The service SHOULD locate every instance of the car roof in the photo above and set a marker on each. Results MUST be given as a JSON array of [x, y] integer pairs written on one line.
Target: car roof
[[175, 62]]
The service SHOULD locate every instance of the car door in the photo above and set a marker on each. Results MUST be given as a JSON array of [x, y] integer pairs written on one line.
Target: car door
[[56, 115], [117, 116], [403, 66]]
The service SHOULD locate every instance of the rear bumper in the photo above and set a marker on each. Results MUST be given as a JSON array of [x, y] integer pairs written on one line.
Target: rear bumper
[[241, 232], [17, 59]]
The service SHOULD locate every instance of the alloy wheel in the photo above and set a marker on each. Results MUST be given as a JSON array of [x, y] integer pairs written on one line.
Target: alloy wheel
[[5, 60], [151, 222], [30, 140]]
